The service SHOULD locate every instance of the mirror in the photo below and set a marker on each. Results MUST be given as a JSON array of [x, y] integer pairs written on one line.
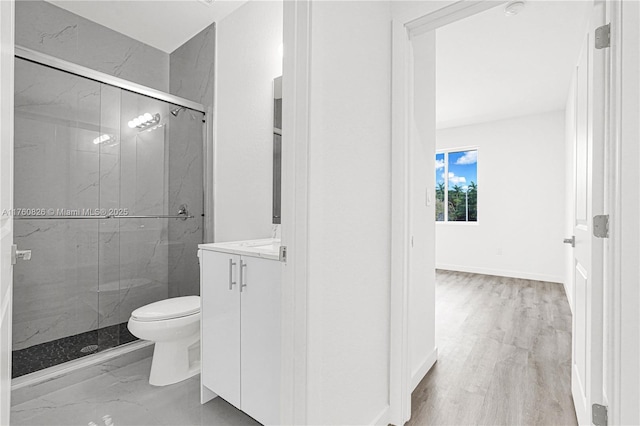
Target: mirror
[[277, 149]]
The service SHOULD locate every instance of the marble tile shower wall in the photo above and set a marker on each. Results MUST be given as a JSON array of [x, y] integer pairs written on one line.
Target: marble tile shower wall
[[52, 30], [93, 273], [191, 77], [51, 293], [85, 274]]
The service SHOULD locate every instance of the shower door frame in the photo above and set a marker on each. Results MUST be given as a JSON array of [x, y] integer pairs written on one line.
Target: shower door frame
[[100, 77]]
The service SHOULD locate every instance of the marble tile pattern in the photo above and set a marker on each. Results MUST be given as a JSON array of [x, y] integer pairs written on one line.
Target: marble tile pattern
[[192, 68], [49, 29], [191, 77], [28, 392], [56, 166], [85, 274], [185, 169], [123, 393]]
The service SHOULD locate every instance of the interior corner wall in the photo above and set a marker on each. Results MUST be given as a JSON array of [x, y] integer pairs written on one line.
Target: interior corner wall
[[422, 280], [349, 213], [248, 59], [191, 76], [521, 175]]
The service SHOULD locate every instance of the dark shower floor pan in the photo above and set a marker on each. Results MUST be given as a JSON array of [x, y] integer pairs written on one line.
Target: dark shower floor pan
[[58, 351]]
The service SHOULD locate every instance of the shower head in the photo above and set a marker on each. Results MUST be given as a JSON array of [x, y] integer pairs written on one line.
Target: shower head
[[176, 111]]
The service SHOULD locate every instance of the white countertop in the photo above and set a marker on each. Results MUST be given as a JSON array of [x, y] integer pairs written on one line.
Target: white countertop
[[268, 248]]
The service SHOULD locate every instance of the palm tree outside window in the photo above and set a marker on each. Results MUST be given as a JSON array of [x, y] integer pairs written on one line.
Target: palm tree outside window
[[457, 186]]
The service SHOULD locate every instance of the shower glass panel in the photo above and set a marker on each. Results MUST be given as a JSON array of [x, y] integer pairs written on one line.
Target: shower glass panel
[[80, 156]]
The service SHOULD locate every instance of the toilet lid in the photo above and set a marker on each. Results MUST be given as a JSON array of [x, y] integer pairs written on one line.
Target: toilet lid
[[166, 309]]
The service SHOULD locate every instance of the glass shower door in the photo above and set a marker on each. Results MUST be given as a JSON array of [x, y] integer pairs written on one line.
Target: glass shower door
[[134, 245], [101, 176], [57, 120], [160, 174]]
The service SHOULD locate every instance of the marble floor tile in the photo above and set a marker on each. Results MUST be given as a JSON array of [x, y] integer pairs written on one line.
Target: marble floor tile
[[124, 397]]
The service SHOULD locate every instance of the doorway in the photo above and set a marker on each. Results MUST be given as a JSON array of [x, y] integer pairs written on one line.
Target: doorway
[[415, 52]]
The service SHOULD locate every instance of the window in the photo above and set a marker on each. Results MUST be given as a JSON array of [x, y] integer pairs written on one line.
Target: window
[[457, 186]]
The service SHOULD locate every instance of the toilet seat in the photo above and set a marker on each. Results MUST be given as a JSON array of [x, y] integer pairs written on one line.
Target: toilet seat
[[176, 307]]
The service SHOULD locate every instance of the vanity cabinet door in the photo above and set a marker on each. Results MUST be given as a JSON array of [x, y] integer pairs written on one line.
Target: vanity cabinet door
[[261, 338], [221, 325]]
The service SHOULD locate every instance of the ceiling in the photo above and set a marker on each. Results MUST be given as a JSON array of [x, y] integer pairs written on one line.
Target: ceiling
[[163, 24], [491, 66]]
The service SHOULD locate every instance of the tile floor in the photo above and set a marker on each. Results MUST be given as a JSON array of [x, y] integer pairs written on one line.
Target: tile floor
[[122, 396]]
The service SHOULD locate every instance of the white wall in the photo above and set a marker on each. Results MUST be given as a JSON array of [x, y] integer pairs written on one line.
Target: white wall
[[569, 200], [422, 280], [349, 213], [248, 60], [627, 228], [521, 174]]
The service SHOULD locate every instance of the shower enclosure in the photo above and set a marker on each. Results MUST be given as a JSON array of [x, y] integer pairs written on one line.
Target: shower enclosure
[[109, 199]]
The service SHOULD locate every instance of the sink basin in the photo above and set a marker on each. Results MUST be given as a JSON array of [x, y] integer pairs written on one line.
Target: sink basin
[[253, 244], [269, 248]]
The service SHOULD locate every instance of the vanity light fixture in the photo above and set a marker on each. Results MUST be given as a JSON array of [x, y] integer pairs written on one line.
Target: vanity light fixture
[[143, 121], [514, 7]]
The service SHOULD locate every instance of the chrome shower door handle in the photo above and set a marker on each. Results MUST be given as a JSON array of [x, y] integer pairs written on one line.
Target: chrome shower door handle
[[19, 254], [243, 279], [231, 281], [183, 211]]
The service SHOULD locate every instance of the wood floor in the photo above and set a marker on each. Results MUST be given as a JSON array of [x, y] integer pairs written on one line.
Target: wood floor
[[504, 354]]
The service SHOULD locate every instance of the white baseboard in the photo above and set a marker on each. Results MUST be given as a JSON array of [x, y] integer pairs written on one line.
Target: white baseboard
[[569, 296], [502, 273], [382, 419], [418, 374]]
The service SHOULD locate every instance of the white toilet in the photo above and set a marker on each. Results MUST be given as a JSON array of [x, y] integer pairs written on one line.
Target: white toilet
[[174, 326]]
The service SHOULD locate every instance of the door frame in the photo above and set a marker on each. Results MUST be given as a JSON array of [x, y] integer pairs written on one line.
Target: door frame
[[402, 84], [7, 25], [622, 249], [296, 80], [403, 29]]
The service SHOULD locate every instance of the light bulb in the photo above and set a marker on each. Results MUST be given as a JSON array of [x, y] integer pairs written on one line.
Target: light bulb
[[148, 117], [131, 124], [136, 122]]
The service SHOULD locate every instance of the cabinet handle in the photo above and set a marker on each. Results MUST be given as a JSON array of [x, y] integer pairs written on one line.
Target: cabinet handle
[[243, 279], [231, 281]]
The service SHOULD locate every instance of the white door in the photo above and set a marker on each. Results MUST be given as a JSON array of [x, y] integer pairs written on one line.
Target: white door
[[261, 336], [586, 368], [220, 322], [6, 202]]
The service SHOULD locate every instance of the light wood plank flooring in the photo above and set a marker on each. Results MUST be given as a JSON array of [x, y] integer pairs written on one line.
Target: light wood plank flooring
[[504, 354]]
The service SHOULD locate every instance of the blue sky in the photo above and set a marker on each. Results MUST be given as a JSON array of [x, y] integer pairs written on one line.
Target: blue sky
[[462, 168]]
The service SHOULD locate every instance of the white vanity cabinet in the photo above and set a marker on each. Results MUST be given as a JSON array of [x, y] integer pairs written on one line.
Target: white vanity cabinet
[[241, 331]]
